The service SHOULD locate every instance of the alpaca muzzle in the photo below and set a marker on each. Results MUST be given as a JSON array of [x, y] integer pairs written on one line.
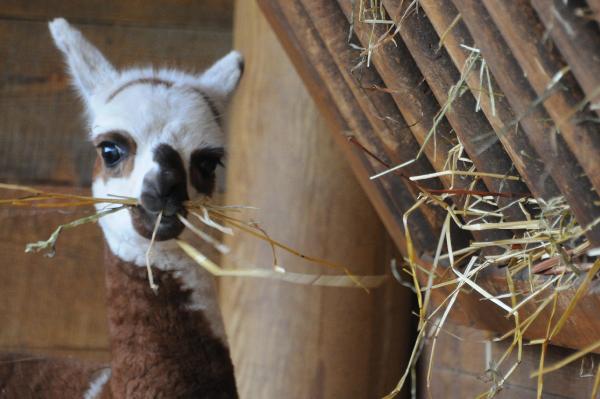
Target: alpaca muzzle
[[163, 190]]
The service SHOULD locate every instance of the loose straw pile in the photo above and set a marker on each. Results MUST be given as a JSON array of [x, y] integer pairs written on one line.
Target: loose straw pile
[[212, 216]]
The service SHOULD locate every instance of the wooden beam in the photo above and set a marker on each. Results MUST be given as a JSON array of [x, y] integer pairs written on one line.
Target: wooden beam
[[441, 14], [288, 340], [560, 162], [577, 39], [206, 14], [524, 35], [386, 126], [336, 101]]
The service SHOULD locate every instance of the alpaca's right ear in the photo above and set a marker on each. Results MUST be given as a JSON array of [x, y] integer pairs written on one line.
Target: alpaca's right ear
[[87, 65]]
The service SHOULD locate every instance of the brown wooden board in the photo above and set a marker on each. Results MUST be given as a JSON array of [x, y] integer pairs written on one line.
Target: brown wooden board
[[462, 359], [51, 306], [294, 341], [297, 30], [441, 14], [42, 134], [196, 14], [334, 99], [524, 34], [560, 163], [439, 71], [578, 40]]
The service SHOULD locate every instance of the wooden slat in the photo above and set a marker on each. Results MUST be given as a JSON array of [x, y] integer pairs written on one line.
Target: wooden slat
[[441, 14], [203, 14], [441, 74], [581, 330], [402, 77], [524, 35], [595, 8], [386, 126], [560, 163], [461, 362], [341, 110], [577, 39], [42, 135]]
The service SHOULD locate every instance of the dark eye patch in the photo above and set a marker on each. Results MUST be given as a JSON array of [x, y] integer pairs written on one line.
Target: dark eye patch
[[203, 163]]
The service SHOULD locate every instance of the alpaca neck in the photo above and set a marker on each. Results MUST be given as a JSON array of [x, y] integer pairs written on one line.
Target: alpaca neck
[[170, 343]]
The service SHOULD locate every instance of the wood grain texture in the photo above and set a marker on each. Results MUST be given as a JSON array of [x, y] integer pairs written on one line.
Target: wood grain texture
[[197, 14], [322, 82], [594, 6], [385, 125], [51, 306], [42, 134], [578, 40], [469, 309], [441, 74], [441, 13], [463, 355], [296, 341], [524, 34], [560, 162]]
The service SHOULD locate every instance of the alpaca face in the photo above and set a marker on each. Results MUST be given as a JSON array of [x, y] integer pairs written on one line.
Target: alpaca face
[[157, 134]]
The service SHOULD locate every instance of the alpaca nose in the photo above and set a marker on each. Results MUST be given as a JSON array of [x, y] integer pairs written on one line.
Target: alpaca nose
[[166, 189]]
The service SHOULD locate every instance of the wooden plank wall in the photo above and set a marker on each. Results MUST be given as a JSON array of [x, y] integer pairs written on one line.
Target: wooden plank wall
[[463, 356], [57, 305], [291, 341]]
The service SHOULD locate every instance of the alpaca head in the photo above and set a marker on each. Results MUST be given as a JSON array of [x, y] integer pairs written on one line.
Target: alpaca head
[[157, 133]]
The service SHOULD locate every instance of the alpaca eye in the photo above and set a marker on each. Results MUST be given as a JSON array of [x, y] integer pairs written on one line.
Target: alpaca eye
[[202, 170], [205, 161], [111, 153]]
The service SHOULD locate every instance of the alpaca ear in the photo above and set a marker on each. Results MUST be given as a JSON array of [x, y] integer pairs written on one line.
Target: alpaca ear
[[89, 69], [220, 80]]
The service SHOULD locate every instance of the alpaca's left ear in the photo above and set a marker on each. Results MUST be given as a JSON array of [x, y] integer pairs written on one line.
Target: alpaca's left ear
[[221, 79], [87, 65]]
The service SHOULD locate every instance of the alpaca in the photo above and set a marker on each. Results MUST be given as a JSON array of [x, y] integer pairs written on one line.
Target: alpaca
[[159, 140]]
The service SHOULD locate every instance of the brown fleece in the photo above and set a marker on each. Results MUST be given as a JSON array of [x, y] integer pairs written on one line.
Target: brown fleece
[[159, 348], [27, 376]]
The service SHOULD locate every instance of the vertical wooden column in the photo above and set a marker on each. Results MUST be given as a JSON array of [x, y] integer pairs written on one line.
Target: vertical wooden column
[[297, 341]]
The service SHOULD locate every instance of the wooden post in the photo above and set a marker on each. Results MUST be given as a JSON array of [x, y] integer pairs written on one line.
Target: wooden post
[[297, 341]]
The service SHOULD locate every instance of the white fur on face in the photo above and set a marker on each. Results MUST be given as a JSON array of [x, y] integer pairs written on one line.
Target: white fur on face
[[152, 115], [175, 114]]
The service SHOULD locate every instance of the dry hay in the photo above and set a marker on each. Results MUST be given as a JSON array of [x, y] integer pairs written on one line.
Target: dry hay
[[217, 218], [548, 248]]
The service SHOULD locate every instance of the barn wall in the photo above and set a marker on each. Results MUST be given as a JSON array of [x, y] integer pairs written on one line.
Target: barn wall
[[294, 341], [57, 305], [464, 359]]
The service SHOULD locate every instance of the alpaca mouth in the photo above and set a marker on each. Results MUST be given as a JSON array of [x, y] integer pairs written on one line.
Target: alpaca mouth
[[144, 222]]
